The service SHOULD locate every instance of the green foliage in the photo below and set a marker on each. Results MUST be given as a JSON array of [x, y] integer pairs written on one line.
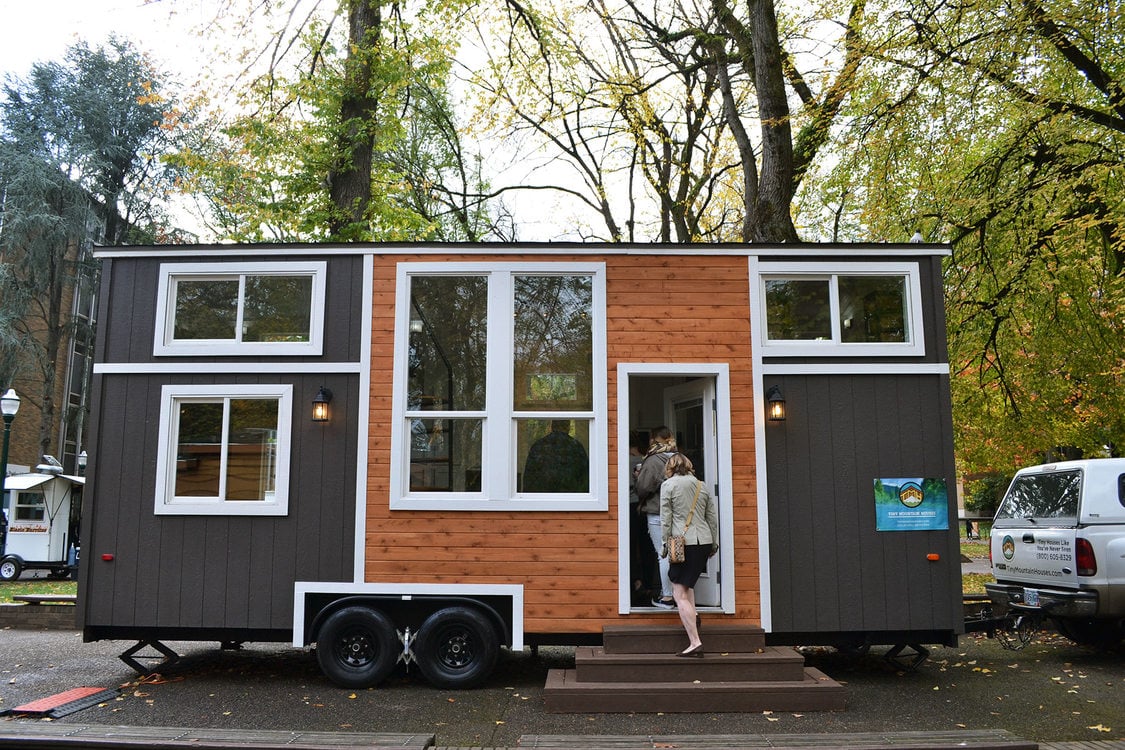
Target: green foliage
[[35, 586], [1000, 127], [371, 104], [983, 496], [80, 145]]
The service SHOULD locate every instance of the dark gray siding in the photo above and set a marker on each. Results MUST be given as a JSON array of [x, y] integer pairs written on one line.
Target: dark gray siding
[[213, 576], [132, 309], [831, 571]]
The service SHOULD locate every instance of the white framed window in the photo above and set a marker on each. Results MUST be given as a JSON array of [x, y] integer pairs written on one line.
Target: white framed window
[[840, 310], [499, 387], [231, 309], [224, 450]]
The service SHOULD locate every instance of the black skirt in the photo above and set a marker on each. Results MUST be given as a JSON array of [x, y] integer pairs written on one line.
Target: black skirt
[[695, 562]]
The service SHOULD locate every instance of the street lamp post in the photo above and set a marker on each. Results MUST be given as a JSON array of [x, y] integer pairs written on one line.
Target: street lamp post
[[9, 405]]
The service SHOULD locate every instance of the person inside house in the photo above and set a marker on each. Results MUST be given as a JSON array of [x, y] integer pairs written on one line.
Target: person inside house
[[642, 556], [661, 447], [687, 509], [557, 462]]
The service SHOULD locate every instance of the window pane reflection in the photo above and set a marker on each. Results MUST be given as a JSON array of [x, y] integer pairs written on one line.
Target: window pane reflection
[[445, 455], [206, 309], [252, 443], [277, 308], [798, 310], [873, 309], [448, 337], [555, 455], [553, 343]]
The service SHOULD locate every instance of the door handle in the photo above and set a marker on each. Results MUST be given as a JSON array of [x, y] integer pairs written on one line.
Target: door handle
[[1029, 538]]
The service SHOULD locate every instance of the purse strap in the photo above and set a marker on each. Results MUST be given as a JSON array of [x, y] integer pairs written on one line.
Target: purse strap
[[698, 487]]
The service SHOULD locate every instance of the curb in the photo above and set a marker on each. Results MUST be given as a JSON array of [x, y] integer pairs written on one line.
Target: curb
[[38, 617]]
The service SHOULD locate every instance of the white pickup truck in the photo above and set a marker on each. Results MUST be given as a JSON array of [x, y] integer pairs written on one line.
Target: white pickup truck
[[1058, 549]]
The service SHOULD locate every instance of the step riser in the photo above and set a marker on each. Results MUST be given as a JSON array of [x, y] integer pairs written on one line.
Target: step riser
[[592, 664], [593, 673], [669, 639]]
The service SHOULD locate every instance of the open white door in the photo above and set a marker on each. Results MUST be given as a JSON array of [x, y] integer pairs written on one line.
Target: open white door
[[689, 409]]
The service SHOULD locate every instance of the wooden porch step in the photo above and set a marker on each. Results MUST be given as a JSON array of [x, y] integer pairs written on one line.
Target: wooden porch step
[[772, 664], [814, 692], [667, 639]]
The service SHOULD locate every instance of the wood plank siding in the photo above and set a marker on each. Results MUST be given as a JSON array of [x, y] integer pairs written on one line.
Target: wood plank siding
[[661, 308]]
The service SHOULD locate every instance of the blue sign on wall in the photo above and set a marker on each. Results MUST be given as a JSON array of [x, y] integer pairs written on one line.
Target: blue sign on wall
[[911, 504]]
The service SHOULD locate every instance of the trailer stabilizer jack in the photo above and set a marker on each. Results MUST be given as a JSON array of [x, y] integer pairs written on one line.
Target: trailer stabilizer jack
[[132, 654]]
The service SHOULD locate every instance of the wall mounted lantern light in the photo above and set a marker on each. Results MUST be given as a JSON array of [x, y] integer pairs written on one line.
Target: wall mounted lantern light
[[320, 405], [82, 460], [775, 404]]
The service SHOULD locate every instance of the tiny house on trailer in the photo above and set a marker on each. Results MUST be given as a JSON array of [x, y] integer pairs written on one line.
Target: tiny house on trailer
[[343, 445]]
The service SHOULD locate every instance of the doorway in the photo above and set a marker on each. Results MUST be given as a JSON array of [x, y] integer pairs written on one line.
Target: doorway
[[693, 400]]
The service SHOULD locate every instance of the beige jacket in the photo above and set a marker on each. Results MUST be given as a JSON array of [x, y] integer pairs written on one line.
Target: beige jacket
[[676, 495]]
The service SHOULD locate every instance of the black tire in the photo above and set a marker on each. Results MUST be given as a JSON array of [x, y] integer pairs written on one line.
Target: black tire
[[357, 647], [10, 569], [457, 647], [1099, 634]]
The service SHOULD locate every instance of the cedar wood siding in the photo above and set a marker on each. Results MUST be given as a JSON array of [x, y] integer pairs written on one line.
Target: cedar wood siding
[[687, 308], [831, 571], [207, 576]]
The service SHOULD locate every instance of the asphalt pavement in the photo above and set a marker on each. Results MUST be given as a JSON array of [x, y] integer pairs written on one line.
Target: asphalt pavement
[[1050, 691]]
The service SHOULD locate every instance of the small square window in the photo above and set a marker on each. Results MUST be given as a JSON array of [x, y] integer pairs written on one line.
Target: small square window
[[224, 450]]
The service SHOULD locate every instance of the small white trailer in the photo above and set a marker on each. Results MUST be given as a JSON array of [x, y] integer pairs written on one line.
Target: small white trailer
[[42, 523]]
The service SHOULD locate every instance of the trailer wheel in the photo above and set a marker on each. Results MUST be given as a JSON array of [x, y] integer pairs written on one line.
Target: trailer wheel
[[357, 647], [457, 647], [10, 569]]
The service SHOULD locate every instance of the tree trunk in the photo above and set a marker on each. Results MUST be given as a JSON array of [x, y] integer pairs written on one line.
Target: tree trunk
[[350, 181], [775, 182]]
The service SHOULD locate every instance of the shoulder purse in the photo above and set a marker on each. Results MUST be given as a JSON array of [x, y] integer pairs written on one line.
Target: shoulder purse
[[676, 552]]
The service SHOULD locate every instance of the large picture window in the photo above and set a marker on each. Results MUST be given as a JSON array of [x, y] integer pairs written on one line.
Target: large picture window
[[868, 309], [239, 309], [497, 388], [224, 450]]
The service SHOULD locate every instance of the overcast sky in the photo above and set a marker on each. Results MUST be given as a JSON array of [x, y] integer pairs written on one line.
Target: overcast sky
[[41, 30]]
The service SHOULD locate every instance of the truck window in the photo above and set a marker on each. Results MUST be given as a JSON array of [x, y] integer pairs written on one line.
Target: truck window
[[1121, 489], [1053, 495]]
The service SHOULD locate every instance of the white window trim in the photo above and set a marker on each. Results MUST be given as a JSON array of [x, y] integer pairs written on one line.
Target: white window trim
[[915, 347], [165, 346], [167, 504], [498, 480]]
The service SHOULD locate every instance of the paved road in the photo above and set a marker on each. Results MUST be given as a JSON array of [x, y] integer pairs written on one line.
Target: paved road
[[1051, 691]]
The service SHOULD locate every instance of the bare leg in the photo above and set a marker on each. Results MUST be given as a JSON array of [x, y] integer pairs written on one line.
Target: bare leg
[[685, 602]]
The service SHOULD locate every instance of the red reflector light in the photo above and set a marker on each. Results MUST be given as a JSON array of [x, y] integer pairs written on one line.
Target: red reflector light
[[107, 557], [1087, 563], [933, 557]]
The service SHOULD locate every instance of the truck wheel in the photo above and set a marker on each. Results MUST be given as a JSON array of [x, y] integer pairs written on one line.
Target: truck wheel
[[357, 647], [1100, 634], [457, 647], [10, 569]]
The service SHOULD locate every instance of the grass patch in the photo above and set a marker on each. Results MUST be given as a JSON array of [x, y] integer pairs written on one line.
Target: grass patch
[[40, 586], [973, 583]]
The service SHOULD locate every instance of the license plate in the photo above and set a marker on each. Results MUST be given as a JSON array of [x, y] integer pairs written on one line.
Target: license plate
[[1031, 597]]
